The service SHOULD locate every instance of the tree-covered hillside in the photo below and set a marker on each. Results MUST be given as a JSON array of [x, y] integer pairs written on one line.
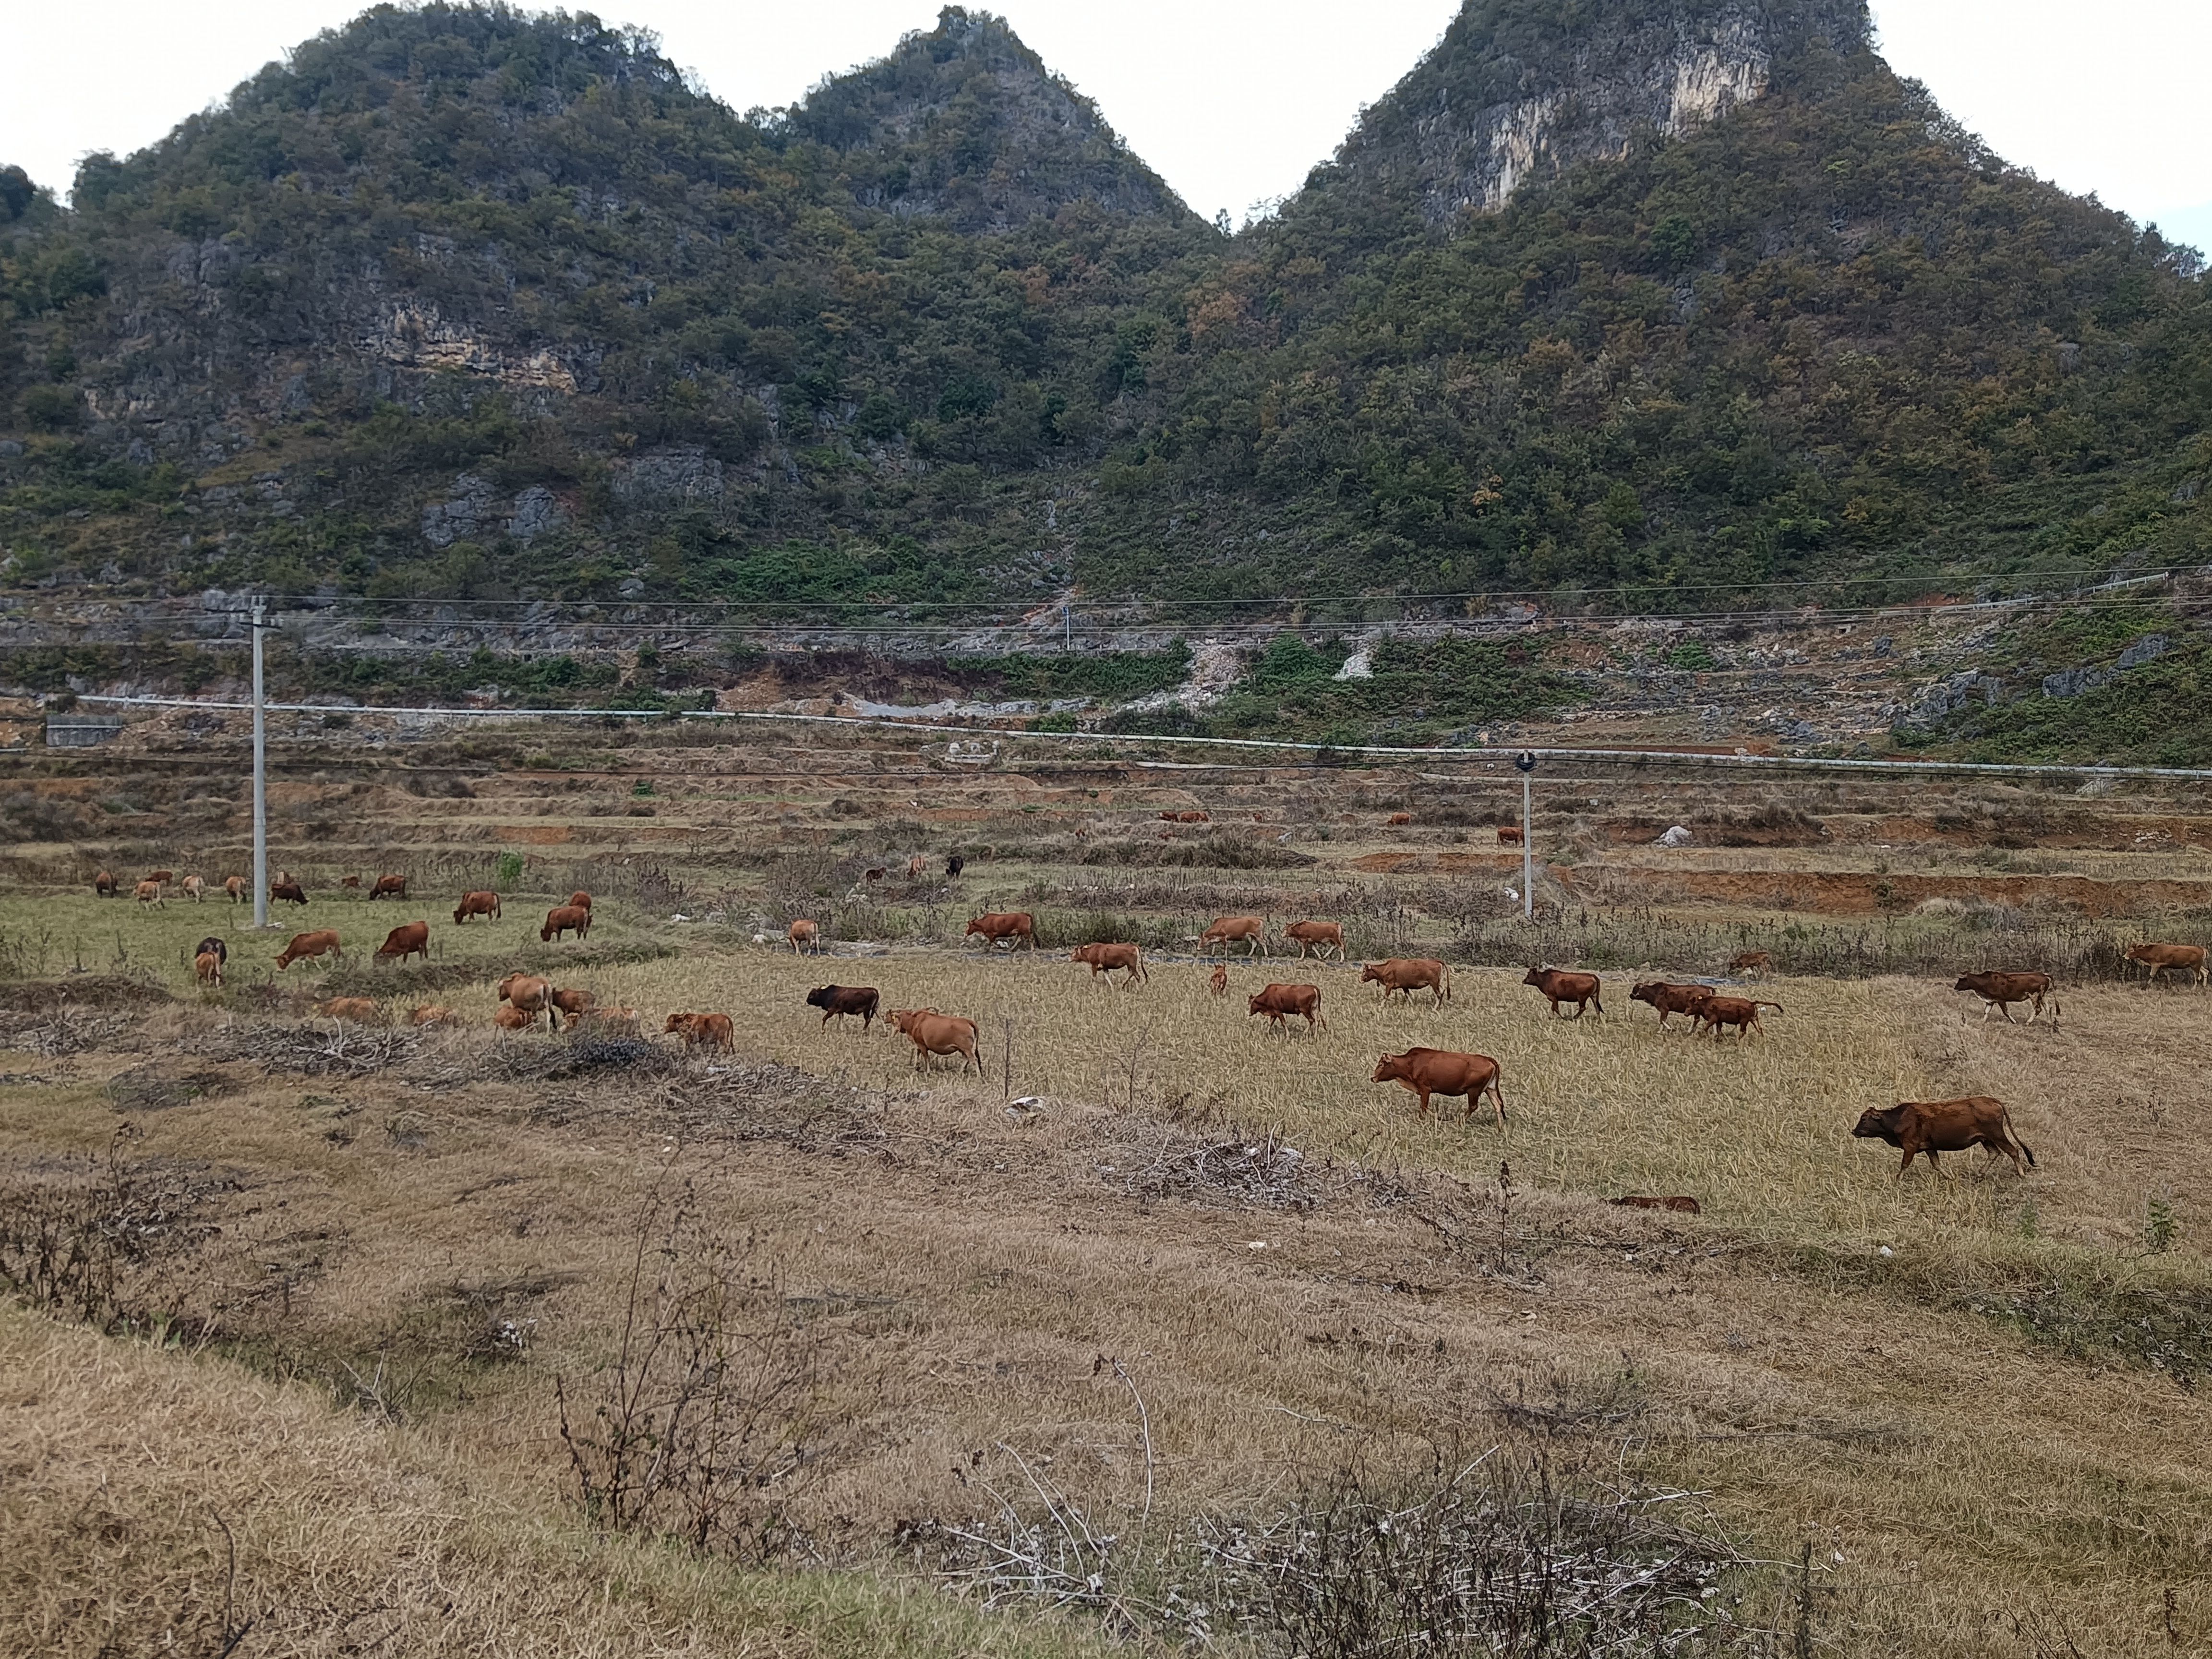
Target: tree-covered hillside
[[459, 301]]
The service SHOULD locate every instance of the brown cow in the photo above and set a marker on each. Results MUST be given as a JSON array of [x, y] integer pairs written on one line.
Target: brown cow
[[913, 868], [875, 873], [804, 935], [835, 1001], [165, 877], [1220, 982], [1945, 1126], [1559, 985], [573, 1003], [212, 946], [1637, 1201], [2164, 958], [1320, 935], [361, 1011], [933, 1033], [105, 885], [1193, 818], [389, 887], [580, 900], [236, 886], [1170, 817], [149, 892], [1440, 1071], [1277, 1001], [510, 1019], [702, 1031], [353, 882], [413, 940], [1999, 991], [1397, 818], [207, 968], [304, 946], [1105, 958], [1406, 975], [531, 995], [485, 904], [562, 919], [1751, 962], [1714, 1011], [1228, 930], [1016, 925], [286, 889], [1510, 835], [1670, 998], [194, 888], [436, 1013]]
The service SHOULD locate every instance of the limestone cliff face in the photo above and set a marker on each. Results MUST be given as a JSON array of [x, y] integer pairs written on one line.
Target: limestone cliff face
[[1519, 89]]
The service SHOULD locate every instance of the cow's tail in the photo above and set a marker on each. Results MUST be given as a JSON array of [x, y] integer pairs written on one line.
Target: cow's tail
[[1443, 980], [1777, 1007], [2016, 1134]]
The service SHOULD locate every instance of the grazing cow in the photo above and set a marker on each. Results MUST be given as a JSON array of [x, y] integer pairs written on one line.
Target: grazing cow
[[165, 877], [1440, 1071], [1999, 991], [1170, 817], [531, 994], [1713, 1011], [1276, 1001], [1687, 1205], [234, 886], [361, 1011], [436, 1013], [389, 887], [1671, 999], [1321, 936], [212, 946], [1229, 930], [835, 1001], [477, 904], [1405, 975], [1396, 819], [1105, 958], [1509, 834], [2187, 959], [304, 946], [353, 882], [954, 865], [933, 1033], [1193, 818], [286, 889], [509, 1018], [580, 900], [1019, 926], [1751, 962], [194, 888], [875, 874], [1220, 982], [1945, 1126], [207, 968], [702, 1031], [564, 919], [573, 1003], [105, 885], [913, 868], [401, 943], [1581, 989], [149, 892], [804, 935], [607, 1022]]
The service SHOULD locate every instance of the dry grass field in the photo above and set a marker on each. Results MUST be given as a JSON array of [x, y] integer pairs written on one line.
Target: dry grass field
[[302, 1305]]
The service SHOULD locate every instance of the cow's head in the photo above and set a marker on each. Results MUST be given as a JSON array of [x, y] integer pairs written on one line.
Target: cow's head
[[1536, 976], [677, 1022], [1880, 1123], [820, 998], [1969, 982], [1646, 991], [1256, 1005], [1388, 1069], [1369, 971]]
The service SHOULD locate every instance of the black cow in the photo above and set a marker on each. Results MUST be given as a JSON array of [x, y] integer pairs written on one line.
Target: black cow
[[835, 1001]]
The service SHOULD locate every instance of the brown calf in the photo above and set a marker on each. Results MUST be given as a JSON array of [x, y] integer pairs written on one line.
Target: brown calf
[[477, 904], [436, 1013], [1019, 926], [1713, 1011], [304, 946], [1105, 958], [105, 885], [1230, 930], [1397, 818], [573, 1003], [1220, 982], [361, 1011], [509, 1018], [1559, 987], [149, 892], [1751, 962], [164, 877], [933, 1033], [1999, 991], [286, 889], [207, 968], [1280, 1002], [401, 943], [389, 887], [194, 888], [1509, 836], [235, 887], [2187, 959], [1403, 975], [349, 881], [1945, 1126], [803, 935], [530, 995], [1440, 1071], [564, 919], [702, 1031], [1322, 936]]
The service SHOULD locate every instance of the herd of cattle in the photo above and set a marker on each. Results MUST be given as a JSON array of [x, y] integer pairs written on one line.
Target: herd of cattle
[[1915, 1127]]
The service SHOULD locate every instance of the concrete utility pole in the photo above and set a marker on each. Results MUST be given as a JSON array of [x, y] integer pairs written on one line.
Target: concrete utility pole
[[1527, 763], [260, 781], [1066, 629]]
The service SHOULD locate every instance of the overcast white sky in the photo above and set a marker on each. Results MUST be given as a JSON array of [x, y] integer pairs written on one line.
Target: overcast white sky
[[1232, 100]]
